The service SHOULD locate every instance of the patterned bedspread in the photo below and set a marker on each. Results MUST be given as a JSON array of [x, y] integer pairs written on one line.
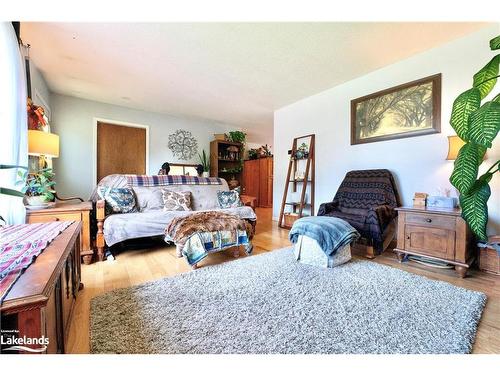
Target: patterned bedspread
[[200, 244]]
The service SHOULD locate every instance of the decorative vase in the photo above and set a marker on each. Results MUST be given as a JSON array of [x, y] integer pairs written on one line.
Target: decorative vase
[[233, 183], [205, 174]]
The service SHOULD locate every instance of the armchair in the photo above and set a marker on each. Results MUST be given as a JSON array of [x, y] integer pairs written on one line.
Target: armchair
[[367, 199]]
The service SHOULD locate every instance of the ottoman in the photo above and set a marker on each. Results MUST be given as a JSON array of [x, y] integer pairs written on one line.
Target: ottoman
[[307, 251], [322, 240]]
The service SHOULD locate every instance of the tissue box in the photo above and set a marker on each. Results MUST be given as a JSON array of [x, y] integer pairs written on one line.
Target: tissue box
[[442, 202]]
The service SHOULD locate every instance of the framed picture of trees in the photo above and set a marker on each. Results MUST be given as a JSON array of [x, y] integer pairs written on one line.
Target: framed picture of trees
[[407, 110]]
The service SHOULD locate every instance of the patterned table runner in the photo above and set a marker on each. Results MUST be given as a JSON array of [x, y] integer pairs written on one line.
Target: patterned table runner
[[19, 247]]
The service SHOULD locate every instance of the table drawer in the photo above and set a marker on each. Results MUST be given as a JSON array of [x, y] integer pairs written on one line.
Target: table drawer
[[431, 220], [43, 218]]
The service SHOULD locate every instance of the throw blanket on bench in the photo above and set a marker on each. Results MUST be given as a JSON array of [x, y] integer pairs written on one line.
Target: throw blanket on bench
[[331, 233], [203, 232]]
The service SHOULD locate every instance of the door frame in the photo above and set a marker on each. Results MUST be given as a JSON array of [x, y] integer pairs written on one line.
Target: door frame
[[114, 122]]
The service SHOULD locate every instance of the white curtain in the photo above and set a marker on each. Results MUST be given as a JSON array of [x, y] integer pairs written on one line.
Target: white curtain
[[13, 121]]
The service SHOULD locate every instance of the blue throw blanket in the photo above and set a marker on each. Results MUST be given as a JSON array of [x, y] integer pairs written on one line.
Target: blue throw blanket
[[331, 233]]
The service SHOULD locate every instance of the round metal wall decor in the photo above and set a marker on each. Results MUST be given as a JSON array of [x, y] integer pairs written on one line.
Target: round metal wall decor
[[182, 144]]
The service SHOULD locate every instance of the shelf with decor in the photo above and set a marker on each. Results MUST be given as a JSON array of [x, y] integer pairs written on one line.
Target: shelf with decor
[[226, 161], [298, 197]]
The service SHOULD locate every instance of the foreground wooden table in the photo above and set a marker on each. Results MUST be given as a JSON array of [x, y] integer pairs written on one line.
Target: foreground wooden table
[[42, 300]]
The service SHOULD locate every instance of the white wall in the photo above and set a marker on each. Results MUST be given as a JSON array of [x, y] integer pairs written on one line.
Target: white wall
[[72, 120], [40, 92], [418, 163]]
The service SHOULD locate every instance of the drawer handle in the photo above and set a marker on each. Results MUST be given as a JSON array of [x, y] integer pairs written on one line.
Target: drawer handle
[[428, 220], [408, 237]]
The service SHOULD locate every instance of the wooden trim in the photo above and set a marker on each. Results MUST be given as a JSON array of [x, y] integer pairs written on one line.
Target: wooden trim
[[431, 210], [436, 110], [119, 123]]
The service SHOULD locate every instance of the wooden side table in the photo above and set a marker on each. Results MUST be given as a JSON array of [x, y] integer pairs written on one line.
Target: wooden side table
[[68, 211], [248, 200], [440, 234]]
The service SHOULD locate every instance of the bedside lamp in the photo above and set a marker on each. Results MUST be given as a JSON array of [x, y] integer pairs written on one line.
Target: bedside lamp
[[43, 144], [455, 143]]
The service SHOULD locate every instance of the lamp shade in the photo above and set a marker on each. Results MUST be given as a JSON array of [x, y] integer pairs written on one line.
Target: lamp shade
[[455, 143], [43, 143]]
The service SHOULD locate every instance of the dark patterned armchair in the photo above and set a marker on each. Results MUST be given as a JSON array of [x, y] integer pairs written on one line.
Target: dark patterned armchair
[[367, 200]]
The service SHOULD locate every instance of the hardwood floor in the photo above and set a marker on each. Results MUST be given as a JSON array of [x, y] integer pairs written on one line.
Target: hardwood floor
[[134, 267]]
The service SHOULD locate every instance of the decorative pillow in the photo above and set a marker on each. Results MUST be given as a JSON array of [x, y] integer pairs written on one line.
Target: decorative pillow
[[118, 200], [238, 189], [149, 198], [176, 201], [229, 199]]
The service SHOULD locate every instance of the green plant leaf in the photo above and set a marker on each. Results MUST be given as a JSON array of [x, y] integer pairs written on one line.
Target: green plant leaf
[[495, 43], [466, 166], [466, 103], [485, 79], [475, 209], [11, 192], [484, 124]]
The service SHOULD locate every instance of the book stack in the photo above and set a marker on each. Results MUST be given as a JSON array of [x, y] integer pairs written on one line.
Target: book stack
[[419, 199]]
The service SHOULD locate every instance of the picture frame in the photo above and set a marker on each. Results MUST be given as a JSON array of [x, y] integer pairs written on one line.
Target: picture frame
[[408, 110]]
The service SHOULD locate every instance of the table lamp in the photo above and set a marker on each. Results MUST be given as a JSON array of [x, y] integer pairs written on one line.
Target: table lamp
[[455, 143], [43, 144]]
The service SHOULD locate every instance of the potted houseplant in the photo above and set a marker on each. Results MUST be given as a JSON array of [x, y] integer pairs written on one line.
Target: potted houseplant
[[205, 162], [38, 186], [477, 123]]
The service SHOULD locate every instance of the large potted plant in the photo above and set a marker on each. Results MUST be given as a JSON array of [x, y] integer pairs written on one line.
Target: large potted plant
[[38, 187], [476, 120]]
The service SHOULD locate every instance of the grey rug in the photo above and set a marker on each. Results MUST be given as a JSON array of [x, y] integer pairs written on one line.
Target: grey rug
[[271, 304]]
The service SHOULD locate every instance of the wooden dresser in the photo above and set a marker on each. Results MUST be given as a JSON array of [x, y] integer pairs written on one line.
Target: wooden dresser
[[68, 211], [258, 180], [42, 300], [439, 234]]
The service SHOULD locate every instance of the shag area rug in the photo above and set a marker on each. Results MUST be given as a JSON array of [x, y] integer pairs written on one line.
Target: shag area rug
[[271, 304]]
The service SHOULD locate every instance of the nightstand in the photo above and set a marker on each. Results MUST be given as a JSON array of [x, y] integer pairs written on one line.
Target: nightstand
[[440, 234], [72, 212]]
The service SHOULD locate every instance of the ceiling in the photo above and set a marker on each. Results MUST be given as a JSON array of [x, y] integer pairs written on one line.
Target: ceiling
[[235, 73]]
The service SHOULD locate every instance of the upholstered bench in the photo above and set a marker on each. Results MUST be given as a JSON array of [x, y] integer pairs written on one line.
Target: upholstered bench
[[203, 233]]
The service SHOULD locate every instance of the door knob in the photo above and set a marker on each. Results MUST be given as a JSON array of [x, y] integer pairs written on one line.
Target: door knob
[[429, 220]]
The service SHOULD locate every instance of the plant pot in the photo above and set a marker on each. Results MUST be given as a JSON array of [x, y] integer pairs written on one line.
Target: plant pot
[[205, 174], [36, 200]]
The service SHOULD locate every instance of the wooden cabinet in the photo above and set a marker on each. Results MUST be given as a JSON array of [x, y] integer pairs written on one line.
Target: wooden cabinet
[[226, 161], [41, 302], [435, 233], [258, 180], [68, 212]]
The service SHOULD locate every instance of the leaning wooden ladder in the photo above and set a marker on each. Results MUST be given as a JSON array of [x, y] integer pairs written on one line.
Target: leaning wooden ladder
[[297, 208]]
